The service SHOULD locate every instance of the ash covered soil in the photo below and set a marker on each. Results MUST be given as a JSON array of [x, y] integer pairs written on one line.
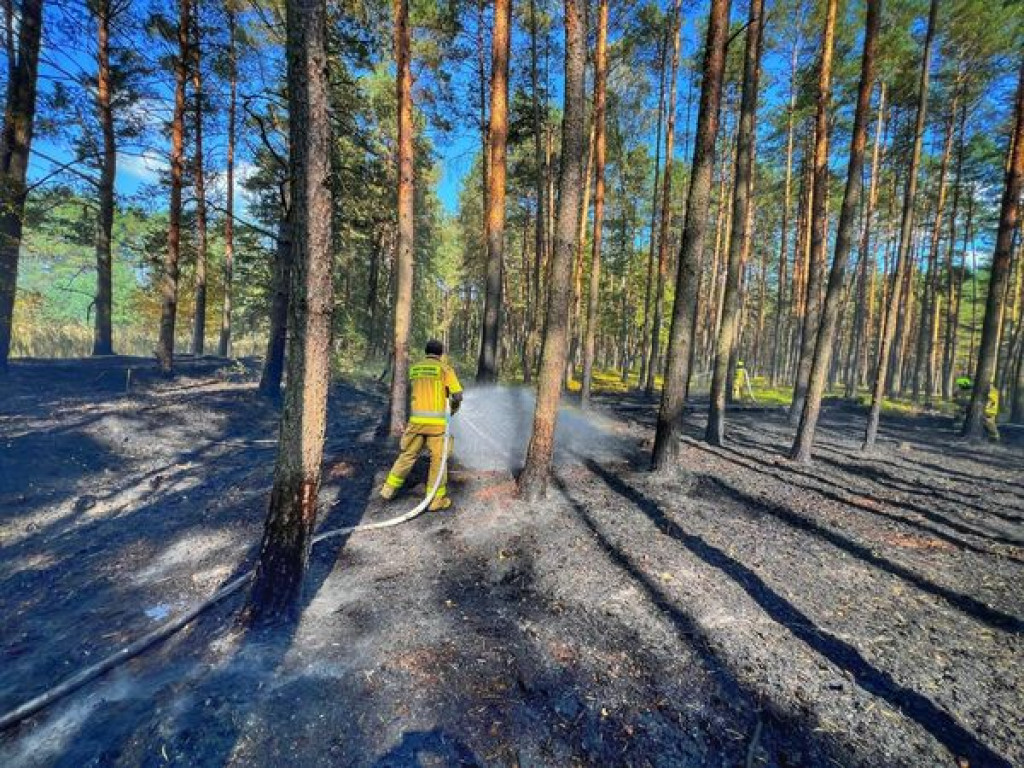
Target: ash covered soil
[[865, 610]]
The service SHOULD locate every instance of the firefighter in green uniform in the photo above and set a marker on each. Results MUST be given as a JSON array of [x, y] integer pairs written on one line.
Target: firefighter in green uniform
[[964, 390], [433, 387]]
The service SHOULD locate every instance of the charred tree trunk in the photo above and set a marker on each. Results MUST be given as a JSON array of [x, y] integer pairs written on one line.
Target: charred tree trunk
[[224, 347], [494, 218], [534, 479], [906, 231], [819, 215], [103, 338], [172, 257], [404, 250], [804, 441], [677, 372], [600, 80], [15, 148], [739, 241], [1009, 215], [288, 532], [199, 325]]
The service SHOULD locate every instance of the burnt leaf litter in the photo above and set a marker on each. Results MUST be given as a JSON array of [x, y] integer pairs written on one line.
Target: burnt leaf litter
[[863, 610]]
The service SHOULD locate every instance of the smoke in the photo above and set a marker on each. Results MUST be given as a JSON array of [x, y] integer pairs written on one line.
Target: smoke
[[493, 428]]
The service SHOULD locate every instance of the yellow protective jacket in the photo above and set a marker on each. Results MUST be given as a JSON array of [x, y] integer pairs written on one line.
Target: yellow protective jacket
[[992, 406], [431, 383]]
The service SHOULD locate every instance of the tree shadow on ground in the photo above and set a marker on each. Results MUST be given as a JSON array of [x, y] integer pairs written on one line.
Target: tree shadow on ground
[[940, 724], [869, 501]]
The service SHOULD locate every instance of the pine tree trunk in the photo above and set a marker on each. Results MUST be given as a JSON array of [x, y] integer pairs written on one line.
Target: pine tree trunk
[[533, 481], [906, 230], [926, 346], [288, 531], [666, 203], [819, 215], [404, 250], [742, 200], [866, 278], [804, 441], [666, 441], [1009, 215], [15, 149], [103, 340], [224, 347], [645, 349], [540, 183], [199, 324], [273, 362], [172, 256], [780, 304], [953, 282], [600, 79], [494, 219]]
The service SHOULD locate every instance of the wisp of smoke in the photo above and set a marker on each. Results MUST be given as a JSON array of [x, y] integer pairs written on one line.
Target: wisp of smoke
[[493, 428]]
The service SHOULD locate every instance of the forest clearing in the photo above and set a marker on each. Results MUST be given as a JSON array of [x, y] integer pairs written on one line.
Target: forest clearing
[[512, 383], [858, 612]]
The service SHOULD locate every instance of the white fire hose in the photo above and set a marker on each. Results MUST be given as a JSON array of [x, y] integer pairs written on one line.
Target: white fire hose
[[169, 628]]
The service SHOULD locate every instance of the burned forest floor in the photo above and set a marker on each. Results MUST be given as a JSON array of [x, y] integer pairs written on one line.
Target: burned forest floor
[[863, 610]]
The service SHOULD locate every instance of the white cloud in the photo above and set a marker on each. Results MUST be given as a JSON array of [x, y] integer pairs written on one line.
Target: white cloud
[[144, 168]]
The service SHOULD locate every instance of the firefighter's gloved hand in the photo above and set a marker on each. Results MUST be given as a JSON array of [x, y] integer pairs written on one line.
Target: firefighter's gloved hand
[[456, 403]]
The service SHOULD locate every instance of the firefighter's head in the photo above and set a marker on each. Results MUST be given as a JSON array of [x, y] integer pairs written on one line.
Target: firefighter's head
[[964, 382], [435, 348], [739, 364]]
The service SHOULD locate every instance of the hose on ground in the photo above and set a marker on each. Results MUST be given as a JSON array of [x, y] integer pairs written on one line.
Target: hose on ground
[[77, 680]]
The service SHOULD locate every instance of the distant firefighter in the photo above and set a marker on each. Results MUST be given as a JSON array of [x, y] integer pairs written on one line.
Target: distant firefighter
[[434, 388], [964, 390], [739, 382]]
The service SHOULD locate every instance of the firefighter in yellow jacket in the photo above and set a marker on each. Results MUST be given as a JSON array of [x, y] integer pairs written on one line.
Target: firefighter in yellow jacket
[[433, 385]]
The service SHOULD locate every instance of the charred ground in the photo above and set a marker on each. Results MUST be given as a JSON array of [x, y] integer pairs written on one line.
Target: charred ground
[[864, 610]]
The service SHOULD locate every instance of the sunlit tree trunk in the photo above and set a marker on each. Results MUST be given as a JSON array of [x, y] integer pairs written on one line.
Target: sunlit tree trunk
[[906, 230], [600, 80], [103, 340], [15, 149], [819, 214], [804, 441], [288, 531], [540, 185], [533, 481], [954, 277], [645, 337], [780, 304], [224, 347], [666, 202], [172, 256], [924, 364], [199, 324], [677, 371], [1009, 215], [494, 216], [739, 241], [864, 304], [404, 250]]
